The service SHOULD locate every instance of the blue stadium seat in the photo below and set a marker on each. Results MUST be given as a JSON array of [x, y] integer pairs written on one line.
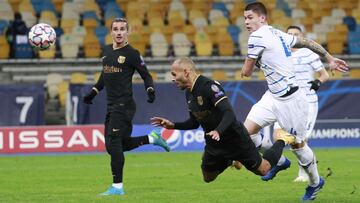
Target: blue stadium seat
[[234, 31], [113, 14], [3, 26], [350, 22], [354, 42], [222, 7], [102, 3], [90, 14], [101, 32]]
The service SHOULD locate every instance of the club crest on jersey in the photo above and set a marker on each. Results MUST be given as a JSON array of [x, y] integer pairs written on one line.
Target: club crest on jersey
[[200, 100], [121, 59], [215, 88]]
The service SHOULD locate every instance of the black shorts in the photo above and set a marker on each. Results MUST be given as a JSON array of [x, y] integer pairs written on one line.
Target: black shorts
[[238, 146], [118, 121]]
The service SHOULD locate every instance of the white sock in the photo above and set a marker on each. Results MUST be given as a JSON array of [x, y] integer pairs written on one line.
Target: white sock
[[117, 185], [256, 138], [281, 160], [307, 160], [151, 139]]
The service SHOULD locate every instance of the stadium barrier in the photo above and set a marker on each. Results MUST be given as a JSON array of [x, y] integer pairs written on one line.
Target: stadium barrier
[[89, 138]]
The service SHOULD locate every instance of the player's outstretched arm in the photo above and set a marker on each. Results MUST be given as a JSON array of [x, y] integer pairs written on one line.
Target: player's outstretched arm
[[334, 63]]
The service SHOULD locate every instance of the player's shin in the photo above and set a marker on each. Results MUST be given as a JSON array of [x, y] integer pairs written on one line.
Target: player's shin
[[307, 160]]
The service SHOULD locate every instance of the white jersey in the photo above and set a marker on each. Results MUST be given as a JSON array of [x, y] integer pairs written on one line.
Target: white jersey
[[271, 48], [306, 63]]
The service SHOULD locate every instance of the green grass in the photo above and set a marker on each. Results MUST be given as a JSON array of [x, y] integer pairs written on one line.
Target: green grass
[[167, 177]]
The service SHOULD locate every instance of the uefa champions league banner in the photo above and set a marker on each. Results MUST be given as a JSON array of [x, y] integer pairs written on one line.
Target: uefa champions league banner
[[90, 138], [336, 101], [22, 104]]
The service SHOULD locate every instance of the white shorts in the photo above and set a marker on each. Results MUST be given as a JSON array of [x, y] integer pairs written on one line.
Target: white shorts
[[290, 112], [312, 115]]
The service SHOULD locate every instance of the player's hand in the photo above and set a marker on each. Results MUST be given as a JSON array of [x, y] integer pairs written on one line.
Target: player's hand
[[151, 95], [315, 84], [159, 121], [214, 135], [89, 97], [337, 64]]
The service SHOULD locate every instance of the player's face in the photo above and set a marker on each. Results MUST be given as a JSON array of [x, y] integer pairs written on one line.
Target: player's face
[[294, 32], [178, 76], [253, 21], [119, 32]]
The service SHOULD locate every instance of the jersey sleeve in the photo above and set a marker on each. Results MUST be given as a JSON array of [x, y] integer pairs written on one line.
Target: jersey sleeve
[[316, 63], [214, 92], [256, 46], [140, 66]]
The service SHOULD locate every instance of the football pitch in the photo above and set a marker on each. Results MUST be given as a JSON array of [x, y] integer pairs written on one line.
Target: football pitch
[[168, 177]]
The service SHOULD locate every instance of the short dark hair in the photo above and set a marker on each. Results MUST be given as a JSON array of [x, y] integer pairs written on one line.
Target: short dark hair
[[256, 7], [294, 27], [120, 20]]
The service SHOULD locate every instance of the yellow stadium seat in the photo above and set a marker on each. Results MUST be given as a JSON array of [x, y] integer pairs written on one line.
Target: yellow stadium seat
[[204, 45], [97, 76], [5, 48], [78, 78], [68, 24], [190, 31], [336, 75], [138, 42], [153, 75], [219, 75], [354, 73], [63, 90], [225, 45], [49, 53]]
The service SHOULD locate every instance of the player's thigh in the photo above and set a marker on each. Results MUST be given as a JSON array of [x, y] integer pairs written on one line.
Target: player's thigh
[[120, 123], [262, 112], [292, 115], [313, 111]]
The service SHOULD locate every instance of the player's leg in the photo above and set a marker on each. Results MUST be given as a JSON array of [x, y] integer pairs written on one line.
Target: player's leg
[[283, 163], [212, 166], [307, 160], [117, 129], [313, 110], [154, 137]]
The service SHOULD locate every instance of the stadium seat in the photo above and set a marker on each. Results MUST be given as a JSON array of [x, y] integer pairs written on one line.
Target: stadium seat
[[219, 75], [226, 45], [234, 32], [78, 78], [137, 41], [69, 46], [96, 76], [29, 18], [190, 31], [63, 89], [48, 53], [159, 45], [92, 48], [204, 45], [3, 26], [182, 46], [176, 20], [5, 48], [52, 83], [354, 73]]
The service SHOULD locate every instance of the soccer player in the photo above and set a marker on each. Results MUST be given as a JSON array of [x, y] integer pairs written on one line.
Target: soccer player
[[284, 102], [306, 64], [226, 138], [120, 60]]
